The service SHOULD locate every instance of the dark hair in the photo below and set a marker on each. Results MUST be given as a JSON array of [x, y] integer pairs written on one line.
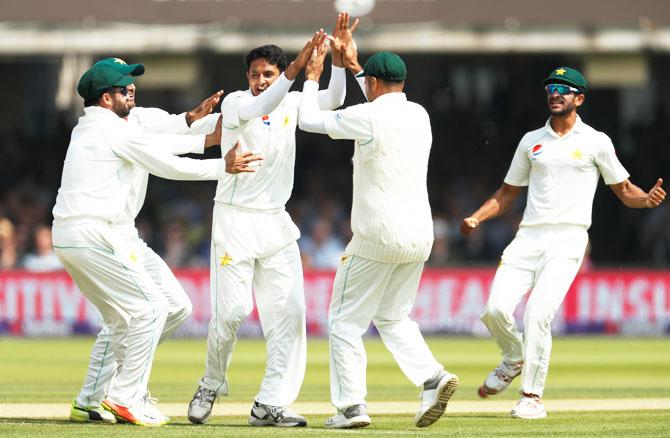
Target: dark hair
[[273, 54]]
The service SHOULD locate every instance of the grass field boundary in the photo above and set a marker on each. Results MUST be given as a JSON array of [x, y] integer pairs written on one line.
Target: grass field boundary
[[58, 410]]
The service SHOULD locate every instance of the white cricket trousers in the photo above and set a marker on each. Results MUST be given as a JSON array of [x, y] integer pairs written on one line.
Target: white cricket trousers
[[102, 365], [367, 291], [259, 250], [543, 260], [103, 264]]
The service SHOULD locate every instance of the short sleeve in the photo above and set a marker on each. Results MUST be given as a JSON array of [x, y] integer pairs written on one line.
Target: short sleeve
[[354, 123], [519, 171], [608, 163]]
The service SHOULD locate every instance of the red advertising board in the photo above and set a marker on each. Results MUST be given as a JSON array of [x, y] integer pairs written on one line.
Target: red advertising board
[[448, 301]]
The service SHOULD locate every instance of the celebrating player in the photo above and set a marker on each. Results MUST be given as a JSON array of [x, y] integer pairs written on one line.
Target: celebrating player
[[560, 163], [379, 273], [254, 239], [100, 250], [87, 406]]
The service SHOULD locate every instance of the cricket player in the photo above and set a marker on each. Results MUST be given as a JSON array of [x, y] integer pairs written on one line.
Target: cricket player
[[87, 406], [379, 273], [560, 163], [92, 238], [254, 239]]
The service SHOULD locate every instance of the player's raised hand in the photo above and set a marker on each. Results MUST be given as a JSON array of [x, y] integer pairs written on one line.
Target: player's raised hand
[[205, 107], [343, 43], [304, 55], [314, 66], [469, 225], [237, 162], [656, 195]]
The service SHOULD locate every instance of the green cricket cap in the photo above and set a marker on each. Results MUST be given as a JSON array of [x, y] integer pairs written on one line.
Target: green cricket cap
[[386, 66], [122, 66], [99, 78], [567, 76]]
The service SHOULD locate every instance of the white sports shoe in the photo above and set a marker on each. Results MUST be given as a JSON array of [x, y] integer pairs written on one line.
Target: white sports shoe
[[500, 378], [530, 407], [266, 415], [350, 418], [136, 414], [151, 408], [200, 407], [434, 397]]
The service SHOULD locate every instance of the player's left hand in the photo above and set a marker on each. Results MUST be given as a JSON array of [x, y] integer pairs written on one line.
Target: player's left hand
[[314, 66], [205, 107], [656, 195]]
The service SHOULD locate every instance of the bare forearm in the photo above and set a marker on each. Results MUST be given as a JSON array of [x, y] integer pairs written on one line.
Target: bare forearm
[[495, 206]]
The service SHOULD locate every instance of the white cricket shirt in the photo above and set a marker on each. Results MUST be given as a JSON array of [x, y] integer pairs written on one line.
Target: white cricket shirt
[[271, 135], [100, 162], [390, 215], [562, 173], [169, 130]]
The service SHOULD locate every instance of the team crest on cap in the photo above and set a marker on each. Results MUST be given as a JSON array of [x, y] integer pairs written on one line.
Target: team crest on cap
[[537, 150], [119, 61], [560, 71]]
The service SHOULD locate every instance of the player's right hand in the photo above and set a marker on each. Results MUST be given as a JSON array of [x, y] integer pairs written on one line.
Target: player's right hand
[[205, 107], [469, 225], [240, 163]]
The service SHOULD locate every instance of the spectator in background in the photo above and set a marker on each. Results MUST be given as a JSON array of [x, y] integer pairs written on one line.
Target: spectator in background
[[43, 258], [321, 249], [7, 245]]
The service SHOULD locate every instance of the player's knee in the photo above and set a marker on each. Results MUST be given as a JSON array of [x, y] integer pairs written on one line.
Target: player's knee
[[493, 313]]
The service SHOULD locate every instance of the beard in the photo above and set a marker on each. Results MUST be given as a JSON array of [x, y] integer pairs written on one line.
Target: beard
[[121, 109], [568, 107]]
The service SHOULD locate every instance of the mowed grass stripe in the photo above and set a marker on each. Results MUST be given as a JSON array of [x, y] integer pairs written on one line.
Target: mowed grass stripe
[[52, 370], [53, 410]]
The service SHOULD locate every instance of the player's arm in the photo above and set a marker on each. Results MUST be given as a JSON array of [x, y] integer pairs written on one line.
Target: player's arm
[[159, 121], [351, 123], [342, 43], [251, 107], [142, 151], [634, 197], [495, 206]]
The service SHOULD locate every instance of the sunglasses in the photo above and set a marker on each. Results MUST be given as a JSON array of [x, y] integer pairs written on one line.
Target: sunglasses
[[121, 90], [560, 89]]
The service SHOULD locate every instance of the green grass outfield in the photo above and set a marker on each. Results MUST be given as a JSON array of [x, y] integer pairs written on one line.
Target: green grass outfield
[[51, 371]]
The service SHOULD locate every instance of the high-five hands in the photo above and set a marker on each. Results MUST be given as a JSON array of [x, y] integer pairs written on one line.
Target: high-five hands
[[305, 54], [314, 66], [343, 44]]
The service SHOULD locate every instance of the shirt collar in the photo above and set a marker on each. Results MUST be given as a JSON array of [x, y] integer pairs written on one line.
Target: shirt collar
[[577, 127], [391, 97], [98, 111]]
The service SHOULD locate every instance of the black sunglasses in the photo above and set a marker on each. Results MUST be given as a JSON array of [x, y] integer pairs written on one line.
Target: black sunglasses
[[121, 90]]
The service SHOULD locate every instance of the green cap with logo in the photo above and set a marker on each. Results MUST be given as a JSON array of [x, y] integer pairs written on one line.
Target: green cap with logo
[[122, 66], [99, 78], [567, 76], [386, 66]]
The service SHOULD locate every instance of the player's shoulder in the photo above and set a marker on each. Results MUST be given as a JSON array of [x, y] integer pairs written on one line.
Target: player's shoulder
[[234, 96], [533, 136], [595, 136]]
